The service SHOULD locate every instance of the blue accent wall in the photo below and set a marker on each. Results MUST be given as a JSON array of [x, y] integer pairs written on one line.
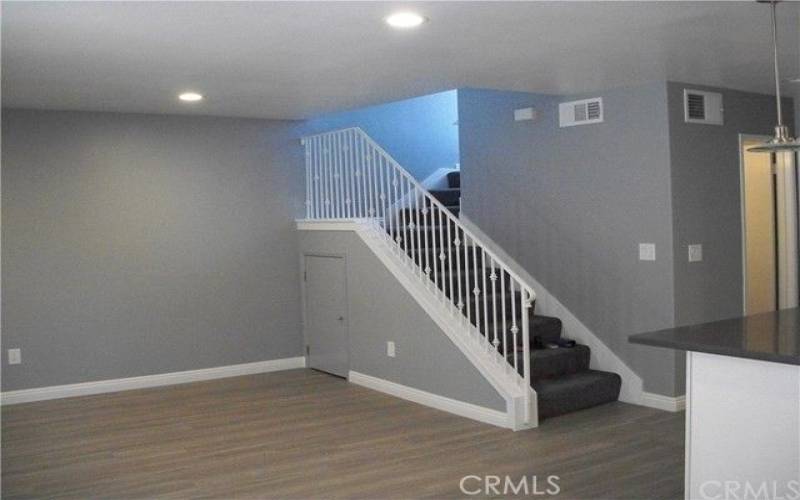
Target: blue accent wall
[[420, 133]]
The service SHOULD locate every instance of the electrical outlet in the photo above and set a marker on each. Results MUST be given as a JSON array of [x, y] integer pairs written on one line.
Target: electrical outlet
[[647, 251], [695, 253], [390, 349], [14, 356]]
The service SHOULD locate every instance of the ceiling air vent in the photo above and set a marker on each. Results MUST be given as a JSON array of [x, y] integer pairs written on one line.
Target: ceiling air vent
[[580, 112], [702, 107]]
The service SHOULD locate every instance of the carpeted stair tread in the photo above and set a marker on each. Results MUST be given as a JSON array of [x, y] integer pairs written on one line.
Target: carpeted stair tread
[[577, 391], [549, 363], [547, 328], [447, 196]]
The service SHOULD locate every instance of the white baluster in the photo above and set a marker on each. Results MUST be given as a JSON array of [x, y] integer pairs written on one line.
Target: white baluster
[[375, 159], [514, 328], [326, 201], [353, 177], [418, 215], [307, 156], [368, 167], [384, 195], [342, 184], [318, 178], [503, 313], [441, 256], [434, 253], [526, 347], [357, 177], [398, 226], [457, 244], [403, 222], [451, 294], [357, 213], [425, 211], [337, 177], [485, 298], [493, 280], [348, 194], [476, 291], [312, 179], [468, 295], [412, 240]]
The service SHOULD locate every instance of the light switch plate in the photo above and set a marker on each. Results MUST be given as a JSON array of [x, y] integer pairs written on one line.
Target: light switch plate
[[524, 114], [647, 251], [695, 253], [14, 356], [390, 349]]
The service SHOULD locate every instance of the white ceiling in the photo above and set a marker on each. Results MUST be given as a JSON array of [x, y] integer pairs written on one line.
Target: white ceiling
[[298, 59]]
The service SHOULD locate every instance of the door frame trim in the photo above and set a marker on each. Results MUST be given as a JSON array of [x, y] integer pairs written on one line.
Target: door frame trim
[[304, 300]]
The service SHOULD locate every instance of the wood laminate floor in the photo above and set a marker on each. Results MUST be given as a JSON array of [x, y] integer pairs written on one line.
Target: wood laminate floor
[[303, 434]]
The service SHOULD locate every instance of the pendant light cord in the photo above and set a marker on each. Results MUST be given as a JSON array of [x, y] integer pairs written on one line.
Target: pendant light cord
[[775, 55]]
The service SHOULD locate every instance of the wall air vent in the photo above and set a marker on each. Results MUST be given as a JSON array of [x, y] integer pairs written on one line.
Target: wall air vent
[[702, 107], [580, 112]]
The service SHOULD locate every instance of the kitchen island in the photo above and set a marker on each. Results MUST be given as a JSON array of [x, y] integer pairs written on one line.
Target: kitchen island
[[742, 405]]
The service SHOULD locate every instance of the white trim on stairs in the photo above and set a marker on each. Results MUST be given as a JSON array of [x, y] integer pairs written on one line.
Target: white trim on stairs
[[603, 357], [468, 410], [661, 402], [158, 380], [327, 225]]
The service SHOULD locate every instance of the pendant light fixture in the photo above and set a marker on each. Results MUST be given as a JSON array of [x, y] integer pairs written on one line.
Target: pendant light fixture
[[782, 141]]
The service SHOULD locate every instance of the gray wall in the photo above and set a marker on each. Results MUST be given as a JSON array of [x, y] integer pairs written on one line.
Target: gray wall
[[141, 244], [706, 203], [571, 205], [380, 310], [706, 200]]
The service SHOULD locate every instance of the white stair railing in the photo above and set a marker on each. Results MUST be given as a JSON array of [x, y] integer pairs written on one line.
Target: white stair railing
[[349, 176]]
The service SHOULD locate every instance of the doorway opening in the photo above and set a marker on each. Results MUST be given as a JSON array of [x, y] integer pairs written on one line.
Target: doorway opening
[[769, 228]]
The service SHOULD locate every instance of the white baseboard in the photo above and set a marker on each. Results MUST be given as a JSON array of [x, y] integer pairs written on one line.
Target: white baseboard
[[161, 379], [460, 408], [660, 402]]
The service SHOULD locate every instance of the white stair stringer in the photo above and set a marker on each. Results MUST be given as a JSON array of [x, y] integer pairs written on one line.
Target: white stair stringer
[[469, 340]]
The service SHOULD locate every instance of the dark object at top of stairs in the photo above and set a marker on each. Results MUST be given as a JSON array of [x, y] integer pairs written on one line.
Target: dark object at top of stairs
[[454, 179]]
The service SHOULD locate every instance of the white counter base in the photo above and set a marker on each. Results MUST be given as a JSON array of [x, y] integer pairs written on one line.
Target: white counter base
[[742, 428]]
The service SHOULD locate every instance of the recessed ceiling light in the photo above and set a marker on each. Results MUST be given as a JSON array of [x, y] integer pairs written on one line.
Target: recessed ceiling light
[[405, 20], [190, 97]]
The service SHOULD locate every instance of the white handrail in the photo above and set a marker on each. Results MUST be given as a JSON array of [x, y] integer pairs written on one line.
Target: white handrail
[[350, 176]]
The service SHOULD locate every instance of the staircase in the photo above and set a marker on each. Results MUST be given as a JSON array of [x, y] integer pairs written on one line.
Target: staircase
[[560, 376], [492, 310]]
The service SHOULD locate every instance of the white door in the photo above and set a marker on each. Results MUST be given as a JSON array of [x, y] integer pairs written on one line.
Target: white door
[[326, 314]]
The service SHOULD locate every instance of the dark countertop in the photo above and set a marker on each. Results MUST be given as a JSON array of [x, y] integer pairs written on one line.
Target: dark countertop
[[773, 336]]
